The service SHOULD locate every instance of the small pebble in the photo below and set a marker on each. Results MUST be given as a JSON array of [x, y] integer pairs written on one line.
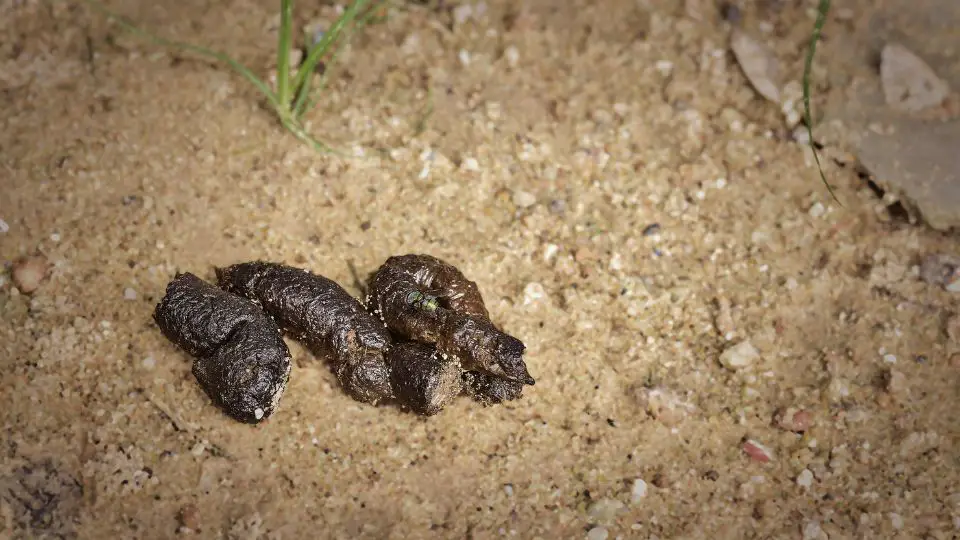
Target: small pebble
[[470, 164], [597, 533], [757, 451], [129, 294], [605, 510], [508, 489], [896, 520], [639, 490], [793, 419], [817, 210], [28, 273], [524, 199], [512, 55], [149, 362], [812, 531], [890, 358], [533, 292], [805, 478], [189, 517], [758, 64], [4, 228], [739, 356], [55, 237], [558, 206]]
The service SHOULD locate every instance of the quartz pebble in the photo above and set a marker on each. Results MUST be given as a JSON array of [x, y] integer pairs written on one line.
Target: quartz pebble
[[739, 356], [805, 478], [129, 294], [639, 490], [524, 199]]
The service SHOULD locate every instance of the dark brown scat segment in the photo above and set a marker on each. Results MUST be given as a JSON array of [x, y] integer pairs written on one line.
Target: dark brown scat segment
[[467, 336], [240, 360], [490, 390], [453, 289], [481, 346], [422, 379], [316, 310]]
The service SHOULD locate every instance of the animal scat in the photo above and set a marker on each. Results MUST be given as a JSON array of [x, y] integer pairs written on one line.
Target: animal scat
[[458, 327], [490, 390], [422, 378], [240, 358], [453, 290], [319, 312]]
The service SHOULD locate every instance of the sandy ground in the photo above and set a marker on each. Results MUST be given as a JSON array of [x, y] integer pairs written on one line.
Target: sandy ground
[[553, 135]]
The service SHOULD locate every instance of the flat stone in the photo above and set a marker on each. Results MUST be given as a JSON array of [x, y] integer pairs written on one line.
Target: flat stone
[[909, 84], [920, 163]]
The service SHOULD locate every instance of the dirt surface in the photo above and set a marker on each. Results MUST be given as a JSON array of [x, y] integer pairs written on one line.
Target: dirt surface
[[532, 145]]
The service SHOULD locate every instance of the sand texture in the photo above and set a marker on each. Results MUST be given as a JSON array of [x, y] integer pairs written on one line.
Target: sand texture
[[720, 349]]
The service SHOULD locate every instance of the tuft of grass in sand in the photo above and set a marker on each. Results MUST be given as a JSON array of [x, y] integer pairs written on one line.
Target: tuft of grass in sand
[[294, 94]]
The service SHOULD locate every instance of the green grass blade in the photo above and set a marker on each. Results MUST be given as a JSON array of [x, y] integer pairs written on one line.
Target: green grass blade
[[303, 101], [283, 53], [203, 51], [822, 10], [317, 50]]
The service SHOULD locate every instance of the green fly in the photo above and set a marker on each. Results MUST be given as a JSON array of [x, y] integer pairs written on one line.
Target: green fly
[[426, 302]]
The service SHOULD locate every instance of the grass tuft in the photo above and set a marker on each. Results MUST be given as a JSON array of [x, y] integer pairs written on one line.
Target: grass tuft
[[293, 95], [822, 9]]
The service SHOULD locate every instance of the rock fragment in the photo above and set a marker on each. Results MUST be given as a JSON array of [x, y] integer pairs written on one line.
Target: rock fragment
[[909, 84], [758, 64]]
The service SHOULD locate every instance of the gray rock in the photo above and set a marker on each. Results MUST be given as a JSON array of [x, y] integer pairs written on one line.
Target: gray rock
[[920, 163]]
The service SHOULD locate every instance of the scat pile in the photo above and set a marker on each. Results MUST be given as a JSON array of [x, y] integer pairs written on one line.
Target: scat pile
[[425, 339]]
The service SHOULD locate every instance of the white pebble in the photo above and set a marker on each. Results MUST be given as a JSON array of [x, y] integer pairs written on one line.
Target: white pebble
[[639, 490], [597, 533], [198, 448], [805, 478], [533, 292], [817, 210], [665, 67], [890, 358], [524, 199], [55, 237], [149, 362], [616, 262], [130, 294], [812, 531], [512, 55], [721, 183], [4, 228], [258, 413], [739, 356], [508, 489], [464, 57], [896, 520], [470, 164], [550, 251]]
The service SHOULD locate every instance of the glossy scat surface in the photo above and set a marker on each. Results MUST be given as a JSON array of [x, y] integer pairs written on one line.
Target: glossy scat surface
[[320, 313], [240, 359], [432, 341]]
